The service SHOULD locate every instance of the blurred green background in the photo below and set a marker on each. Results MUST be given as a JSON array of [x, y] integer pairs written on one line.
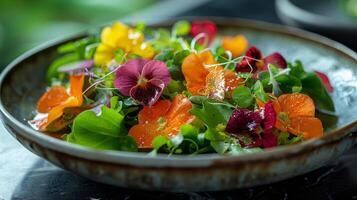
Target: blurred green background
[[25, 23], [28, 23]]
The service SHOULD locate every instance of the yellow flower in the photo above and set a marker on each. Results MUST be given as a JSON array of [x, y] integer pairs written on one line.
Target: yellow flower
[[120, 36]]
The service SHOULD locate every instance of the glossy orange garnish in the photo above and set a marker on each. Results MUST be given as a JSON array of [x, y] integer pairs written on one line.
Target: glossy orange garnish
[[236, 45], [231, 82], [163, 118], [195, 73], [74, 99], [296, 114], [52, 98], [212, 81]]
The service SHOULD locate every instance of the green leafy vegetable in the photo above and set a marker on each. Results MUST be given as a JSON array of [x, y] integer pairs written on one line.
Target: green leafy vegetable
[[188, 141], [212, 112], [288, 84], [52, 71], [259, 92], [242, 96], [313, 86], [181, 28], [285, 138], [104, 131], [296, 69]]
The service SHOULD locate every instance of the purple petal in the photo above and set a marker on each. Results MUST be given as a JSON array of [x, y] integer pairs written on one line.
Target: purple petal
[[253, 54], [148, 93], [155, 69], [243, 120], [269, 139], [128, 74], [276, 59], [269, 116], [76, 66]]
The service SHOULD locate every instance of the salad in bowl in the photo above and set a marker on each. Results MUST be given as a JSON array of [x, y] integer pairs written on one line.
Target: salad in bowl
[[179, 91]]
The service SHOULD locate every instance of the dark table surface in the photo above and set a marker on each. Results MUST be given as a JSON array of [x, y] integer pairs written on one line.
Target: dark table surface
[[24, 175]]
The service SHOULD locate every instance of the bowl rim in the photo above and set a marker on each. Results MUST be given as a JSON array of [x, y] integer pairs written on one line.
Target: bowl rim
[[142, 159], [288, 9]]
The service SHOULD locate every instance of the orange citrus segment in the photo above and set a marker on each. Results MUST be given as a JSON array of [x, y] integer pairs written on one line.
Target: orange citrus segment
[[309, 127], [52, 98], [236, 45], [297, 104], [152, 114]]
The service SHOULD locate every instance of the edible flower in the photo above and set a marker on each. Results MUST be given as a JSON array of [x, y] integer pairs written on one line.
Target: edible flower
[[120, 36], [163, 118], [236, 44], [206, 27], [325, 80], [143, 80], [205, 80], [56, 99], [244, 120], [296, 114], [254, 61]]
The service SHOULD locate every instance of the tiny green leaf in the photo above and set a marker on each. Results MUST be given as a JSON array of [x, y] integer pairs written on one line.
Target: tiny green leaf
[[312, 86], [180, 56], [259, 92], [212, 112], [159, 142], [296, 69], [181, 28], [242, 96]]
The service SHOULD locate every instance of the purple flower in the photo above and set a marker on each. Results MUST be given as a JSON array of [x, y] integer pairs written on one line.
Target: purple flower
[[255, 62], [268, 138], [269, 116], [143, 80], [243, 120], [276, 59]]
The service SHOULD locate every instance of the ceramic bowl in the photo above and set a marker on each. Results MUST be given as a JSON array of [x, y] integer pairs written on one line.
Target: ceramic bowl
[[22, 83], [326, 17]]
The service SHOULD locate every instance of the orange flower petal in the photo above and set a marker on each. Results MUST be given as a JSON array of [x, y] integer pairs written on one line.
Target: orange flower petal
[[309, 127], [164, 118], [152, 114], [236, 45], [195, 73], [177, 115], [297, 104], [215, 83], [52, 98], [279, 124], [231, 81], [144, 134], [76, 98], [76, 86]]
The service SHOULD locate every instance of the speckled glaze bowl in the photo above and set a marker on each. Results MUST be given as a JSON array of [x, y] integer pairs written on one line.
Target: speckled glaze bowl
[[22, 82]]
